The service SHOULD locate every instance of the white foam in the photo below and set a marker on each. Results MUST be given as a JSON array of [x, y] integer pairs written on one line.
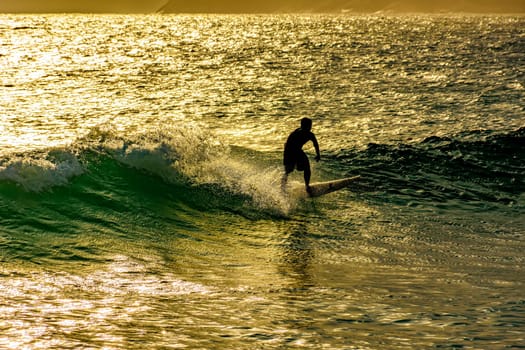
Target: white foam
[[261, 185], [195, 154], [38, 172]]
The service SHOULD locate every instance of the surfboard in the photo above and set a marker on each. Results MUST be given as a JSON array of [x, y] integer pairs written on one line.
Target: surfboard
[[321, 188]]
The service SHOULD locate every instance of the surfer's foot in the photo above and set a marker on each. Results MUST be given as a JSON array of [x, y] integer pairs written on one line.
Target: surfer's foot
[[309, 190]]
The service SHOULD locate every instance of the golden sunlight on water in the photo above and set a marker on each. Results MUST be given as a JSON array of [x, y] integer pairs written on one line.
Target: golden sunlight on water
[[140, 166], [131, 71]]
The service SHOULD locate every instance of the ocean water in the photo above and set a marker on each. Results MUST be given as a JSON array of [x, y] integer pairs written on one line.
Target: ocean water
[[140, 163]]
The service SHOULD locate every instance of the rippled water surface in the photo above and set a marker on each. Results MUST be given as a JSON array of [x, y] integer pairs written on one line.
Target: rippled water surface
[[140, 165]]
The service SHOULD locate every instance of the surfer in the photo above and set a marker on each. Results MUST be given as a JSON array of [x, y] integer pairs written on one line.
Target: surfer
[[294, 156]]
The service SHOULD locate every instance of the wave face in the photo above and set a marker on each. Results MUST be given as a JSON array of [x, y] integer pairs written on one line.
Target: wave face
[[190, 168], [181, 164]]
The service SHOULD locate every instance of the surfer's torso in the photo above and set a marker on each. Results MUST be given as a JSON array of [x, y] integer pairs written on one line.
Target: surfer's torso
[[296, 141], [293, 152]]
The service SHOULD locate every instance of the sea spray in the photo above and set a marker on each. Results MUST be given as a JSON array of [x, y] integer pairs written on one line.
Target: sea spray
[[177, 153], [196, 156], [39, 171]]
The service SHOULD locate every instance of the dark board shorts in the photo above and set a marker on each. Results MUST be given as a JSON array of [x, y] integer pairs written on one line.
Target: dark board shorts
[[297, 161]]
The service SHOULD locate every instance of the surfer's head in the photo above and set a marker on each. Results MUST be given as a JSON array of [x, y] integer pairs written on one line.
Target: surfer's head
[[306, 124]]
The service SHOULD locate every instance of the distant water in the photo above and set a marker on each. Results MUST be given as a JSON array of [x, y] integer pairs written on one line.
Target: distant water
[[140, 160]]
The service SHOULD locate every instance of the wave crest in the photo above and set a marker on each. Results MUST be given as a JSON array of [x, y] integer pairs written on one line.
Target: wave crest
[[39, 171], [187, 155]]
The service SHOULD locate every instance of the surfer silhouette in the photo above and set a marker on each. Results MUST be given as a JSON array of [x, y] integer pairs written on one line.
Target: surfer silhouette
[[294, 156]]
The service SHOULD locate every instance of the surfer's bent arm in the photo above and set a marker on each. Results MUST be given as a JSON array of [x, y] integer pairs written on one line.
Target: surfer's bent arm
[[316, 145]]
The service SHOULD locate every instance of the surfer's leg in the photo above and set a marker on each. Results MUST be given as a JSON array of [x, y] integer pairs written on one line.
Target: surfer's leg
[[307, 174]]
